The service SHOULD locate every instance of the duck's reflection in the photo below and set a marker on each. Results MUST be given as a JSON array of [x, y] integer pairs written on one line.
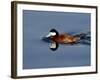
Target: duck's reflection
[[53, 46], [54, 38]]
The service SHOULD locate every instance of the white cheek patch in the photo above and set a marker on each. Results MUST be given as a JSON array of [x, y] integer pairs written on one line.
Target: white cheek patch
[[51, 34]]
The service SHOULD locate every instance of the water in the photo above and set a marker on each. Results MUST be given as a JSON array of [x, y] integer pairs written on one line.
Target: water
[[37, 53]]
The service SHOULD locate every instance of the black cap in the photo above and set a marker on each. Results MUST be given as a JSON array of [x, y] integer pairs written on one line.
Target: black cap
[[54, 30]]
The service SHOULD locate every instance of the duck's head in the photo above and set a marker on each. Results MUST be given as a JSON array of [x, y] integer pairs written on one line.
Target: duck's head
[[48, 38], [52, 33]]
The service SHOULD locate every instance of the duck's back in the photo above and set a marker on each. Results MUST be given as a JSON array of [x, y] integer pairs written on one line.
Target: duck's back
[[64, 38]]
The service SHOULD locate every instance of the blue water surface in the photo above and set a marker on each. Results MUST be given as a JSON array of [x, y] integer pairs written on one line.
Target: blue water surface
[[36, 53]]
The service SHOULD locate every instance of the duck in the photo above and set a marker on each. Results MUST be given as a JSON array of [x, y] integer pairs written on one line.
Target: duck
[[63, 38], [55, 38]]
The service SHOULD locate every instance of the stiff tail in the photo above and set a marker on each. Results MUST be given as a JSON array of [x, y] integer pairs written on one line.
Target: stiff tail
[[84, 36]]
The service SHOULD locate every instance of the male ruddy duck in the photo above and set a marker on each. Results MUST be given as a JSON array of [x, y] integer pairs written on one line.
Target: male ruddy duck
[[64, 38]]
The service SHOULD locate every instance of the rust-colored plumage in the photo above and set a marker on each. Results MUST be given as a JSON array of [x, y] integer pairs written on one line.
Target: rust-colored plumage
[[64, 38]]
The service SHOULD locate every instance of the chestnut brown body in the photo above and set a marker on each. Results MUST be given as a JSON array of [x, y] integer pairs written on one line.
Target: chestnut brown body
[[64, 38]]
